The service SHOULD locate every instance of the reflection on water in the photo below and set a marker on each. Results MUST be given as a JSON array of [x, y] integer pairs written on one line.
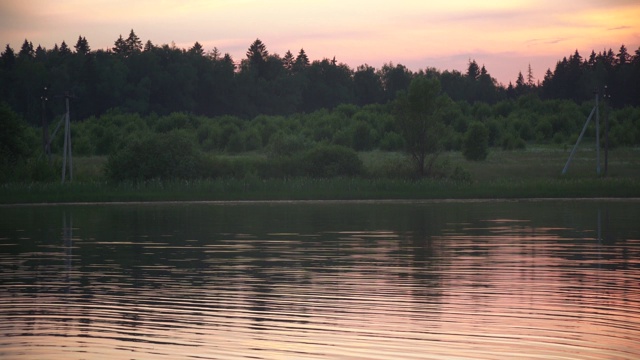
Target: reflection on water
[[490, 280]]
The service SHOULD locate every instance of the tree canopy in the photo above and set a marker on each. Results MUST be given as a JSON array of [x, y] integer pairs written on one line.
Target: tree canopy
[[162, 79], [418, 117]]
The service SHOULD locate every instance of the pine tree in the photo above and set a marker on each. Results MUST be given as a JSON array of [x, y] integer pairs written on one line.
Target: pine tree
[[82, 46], [41, 53], [133, 43], [623, 56], [288, 61], [257, 52], [197, 49], [64, 49], [530, 79], [473, 71], [120, 46], [521, 86], [302, 60], [26, 51], [148, 46], [214, 54], [8, 57]]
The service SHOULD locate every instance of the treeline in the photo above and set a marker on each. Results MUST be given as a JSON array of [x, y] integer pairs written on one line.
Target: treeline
[[186, 145], [163, 79]]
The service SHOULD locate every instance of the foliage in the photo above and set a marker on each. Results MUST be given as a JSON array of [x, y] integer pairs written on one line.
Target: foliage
[[476, 142], [282, 144], [14, 140], [418, 118], [160, 156], [326, 161]]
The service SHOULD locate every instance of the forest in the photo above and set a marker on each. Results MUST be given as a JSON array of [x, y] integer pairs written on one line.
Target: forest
[[281, 105]]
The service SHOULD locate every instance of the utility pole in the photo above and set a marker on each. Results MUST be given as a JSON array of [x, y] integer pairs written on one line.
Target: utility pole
[[67, 143], [45, 126], [584, 129], [606, 131], [597, 134]]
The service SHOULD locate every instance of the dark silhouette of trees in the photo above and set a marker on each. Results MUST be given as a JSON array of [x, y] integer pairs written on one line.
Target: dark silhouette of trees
[[141, 77], [82, 46], [367, 86], [394, 79], [302, 61]]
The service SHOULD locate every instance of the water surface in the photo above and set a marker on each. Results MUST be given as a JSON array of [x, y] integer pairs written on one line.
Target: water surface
[[345, 280]]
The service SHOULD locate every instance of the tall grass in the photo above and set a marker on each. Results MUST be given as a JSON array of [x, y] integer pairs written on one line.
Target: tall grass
[[532, 173], [315, 189]]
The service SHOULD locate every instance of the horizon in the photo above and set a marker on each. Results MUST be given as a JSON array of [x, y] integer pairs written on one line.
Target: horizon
[[417, 35]]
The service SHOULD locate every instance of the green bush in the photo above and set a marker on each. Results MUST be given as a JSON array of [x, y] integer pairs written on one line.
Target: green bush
[[362, 136], [392, 141], [512, 142], [172, 121], [282, 144], [558, 138], [460, 174], [159, 156], [14, 139], [475, 145], [36, 170], [544, 130], [324, 161]]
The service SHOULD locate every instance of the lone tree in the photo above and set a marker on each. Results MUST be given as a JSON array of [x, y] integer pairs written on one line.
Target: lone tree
[[418, 118]]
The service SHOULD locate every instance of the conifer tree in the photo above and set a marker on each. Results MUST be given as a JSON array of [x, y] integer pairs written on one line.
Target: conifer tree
[[26, 51], [82, 46], [133, 43], [288, 61], [8, 57], [530, 78], [64, 48]]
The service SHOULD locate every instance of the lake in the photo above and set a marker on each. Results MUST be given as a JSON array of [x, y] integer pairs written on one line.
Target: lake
[[545, 279]]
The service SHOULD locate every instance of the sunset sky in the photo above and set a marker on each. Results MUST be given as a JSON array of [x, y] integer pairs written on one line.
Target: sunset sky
[[505, 36]]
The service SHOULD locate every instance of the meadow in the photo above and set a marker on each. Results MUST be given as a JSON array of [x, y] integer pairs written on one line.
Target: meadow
[[515, 174]]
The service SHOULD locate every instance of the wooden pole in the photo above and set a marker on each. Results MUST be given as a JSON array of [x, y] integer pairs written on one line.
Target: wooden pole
[[45, 127], [597, 135], [67, 145], [606, 134], [575, 147], [64, 146]]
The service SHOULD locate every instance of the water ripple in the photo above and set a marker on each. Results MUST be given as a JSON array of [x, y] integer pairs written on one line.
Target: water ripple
[[492, 288]]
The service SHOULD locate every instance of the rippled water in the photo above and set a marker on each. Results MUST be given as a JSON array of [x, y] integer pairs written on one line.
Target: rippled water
[[478, 280]]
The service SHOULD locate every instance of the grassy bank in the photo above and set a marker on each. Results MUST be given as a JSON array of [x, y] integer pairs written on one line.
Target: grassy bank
[[532, 173], [320, 189]]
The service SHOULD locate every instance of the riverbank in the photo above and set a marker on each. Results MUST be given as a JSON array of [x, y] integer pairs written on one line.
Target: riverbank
[[317, 189], [528, 174]]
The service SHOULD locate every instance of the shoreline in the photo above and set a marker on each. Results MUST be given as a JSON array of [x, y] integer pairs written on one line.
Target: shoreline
[[321, 201]]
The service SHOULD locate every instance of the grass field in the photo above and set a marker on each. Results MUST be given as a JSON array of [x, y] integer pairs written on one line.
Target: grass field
[[531, 173]]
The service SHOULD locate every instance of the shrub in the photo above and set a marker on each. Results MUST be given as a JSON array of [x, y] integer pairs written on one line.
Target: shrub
[[544, 130], [330, 161], [558, 138], [282, 144], [362, 136], [475, 145], [36, 170], [252, 140], [512, 142], [460, 174], [392, 141], [172, 121], [14, 140], [159, 156]]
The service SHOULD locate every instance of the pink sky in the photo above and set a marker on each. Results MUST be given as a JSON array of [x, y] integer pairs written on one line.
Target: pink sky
[[505, 36]]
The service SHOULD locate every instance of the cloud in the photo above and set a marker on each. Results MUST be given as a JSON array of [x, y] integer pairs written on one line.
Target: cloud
[[619, 28]]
